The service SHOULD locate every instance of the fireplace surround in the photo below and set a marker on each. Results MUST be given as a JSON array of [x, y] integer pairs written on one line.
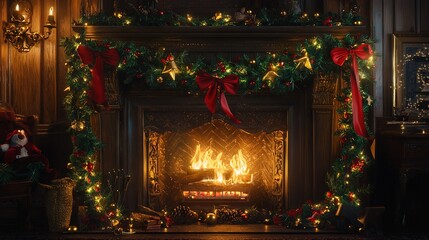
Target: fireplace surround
[[305, 118], [166, 122]]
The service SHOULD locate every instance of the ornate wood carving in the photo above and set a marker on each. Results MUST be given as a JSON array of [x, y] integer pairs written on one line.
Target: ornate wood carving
[[279, 171], [324, 88], [111, 87]]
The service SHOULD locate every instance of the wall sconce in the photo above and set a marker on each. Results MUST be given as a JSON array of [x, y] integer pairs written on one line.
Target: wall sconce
[[18, 30]]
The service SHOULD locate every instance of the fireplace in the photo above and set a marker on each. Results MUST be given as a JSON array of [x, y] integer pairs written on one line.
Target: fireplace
[[286, 140], [181, 154]]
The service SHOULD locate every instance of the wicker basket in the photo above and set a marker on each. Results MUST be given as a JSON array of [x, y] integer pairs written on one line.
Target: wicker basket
[[59, 200]]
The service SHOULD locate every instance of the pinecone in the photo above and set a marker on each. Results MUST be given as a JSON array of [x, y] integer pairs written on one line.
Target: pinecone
[[237, 220], [183, 215], [227, 215], [254, 216]]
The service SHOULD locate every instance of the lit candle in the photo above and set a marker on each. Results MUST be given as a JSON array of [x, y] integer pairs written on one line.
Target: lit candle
[[15, 15], [51, 19]]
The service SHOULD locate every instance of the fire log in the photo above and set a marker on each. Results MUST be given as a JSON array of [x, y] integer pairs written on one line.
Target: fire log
[[148, 211], [197, 175]]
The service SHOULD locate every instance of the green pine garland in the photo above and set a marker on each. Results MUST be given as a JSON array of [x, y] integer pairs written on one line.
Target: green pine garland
[[139, 63], [265, 17]]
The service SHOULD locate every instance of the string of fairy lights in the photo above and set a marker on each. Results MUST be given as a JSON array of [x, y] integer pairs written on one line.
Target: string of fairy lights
[[416, 105]]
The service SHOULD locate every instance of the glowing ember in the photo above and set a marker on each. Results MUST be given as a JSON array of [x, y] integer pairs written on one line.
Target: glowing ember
[[236, 172]]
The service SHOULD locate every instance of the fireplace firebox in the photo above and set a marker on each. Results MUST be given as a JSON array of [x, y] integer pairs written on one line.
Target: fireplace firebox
[[216, 163]]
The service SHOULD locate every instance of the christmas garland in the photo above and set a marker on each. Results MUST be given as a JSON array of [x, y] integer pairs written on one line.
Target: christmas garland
[[277, 73], [142, 16]]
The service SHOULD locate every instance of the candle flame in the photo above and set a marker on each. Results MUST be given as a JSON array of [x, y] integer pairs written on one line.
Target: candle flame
[[51, 11], [17, 7]]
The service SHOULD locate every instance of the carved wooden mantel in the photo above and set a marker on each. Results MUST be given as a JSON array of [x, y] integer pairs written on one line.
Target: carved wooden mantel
[[217, 39], [312, 111]]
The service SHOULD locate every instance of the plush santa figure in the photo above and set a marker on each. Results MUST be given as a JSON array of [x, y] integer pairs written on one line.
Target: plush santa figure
[[19, 152]]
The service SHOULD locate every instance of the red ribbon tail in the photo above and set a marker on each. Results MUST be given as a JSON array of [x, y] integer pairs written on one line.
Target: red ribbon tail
[[226, 109], [97, 85], [210, 99], [357, 109]]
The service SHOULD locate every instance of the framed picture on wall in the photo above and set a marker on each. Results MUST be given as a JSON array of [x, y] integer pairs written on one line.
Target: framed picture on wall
[[411, 75]]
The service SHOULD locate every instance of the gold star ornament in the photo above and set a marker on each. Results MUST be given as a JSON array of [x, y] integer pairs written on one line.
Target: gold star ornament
[[170, 67], [304, 61], [271, 75]]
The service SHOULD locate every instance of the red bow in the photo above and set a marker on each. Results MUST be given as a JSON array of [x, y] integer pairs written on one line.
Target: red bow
[[216, 88], [339, 56], [87, 55]]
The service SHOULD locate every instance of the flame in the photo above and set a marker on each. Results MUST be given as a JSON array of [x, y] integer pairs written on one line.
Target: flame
[[237, 166]]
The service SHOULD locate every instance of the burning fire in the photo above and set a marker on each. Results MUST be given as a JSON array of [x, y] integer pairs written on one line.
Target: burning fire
[[235, 172]]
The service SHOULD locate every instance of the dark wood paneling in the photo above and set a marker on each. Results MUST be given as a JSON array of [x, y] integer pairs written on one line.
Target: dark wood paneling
[[64, 18], [388, 28], [405, 16], [25, 81], [26, 73], [4, 56], [323, 136], [313, 7], [109, 136], [377, 30], [424, 14], [48, 68]]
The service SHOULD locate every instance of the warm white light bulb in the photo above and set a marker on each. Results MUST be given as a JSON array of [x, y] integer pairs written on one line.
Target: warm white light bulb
[[17, 7], [51, 11]]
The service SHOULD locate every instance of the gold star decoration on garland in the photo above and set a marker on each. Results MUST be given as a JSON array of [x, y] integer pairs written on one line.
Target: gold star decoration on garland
[[271, 75], [170, 67], [304, 61]]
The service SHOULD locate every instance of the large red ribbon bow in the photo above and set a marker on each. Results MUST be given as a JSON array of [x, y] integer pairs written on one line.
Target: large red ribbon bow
[[88, 56], [339, 56], [216, 88]]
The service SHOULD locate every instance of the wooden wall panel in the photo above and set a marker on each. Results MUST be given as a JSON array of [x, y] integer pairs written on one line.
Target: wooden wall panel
[[25, 72], [388, 29], [68, 10], [48, 68], [4, 57], [25, 81], [377, 30], [313, 6], [405, 16], [424, 13]]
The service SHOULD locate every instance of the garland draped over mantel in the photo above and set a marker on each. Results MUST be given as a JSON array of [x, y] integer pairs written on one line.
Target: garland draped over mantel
[[274, 72]]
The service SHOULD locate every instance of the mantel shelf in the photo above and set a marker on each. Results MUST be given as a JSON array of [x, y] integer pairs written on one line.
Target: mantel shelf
[[171, 32], [213, 40]]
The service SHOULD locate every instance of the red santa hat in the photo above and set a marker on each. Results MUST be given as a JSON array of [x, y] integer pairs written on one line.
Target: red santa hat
[[11, 134]]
